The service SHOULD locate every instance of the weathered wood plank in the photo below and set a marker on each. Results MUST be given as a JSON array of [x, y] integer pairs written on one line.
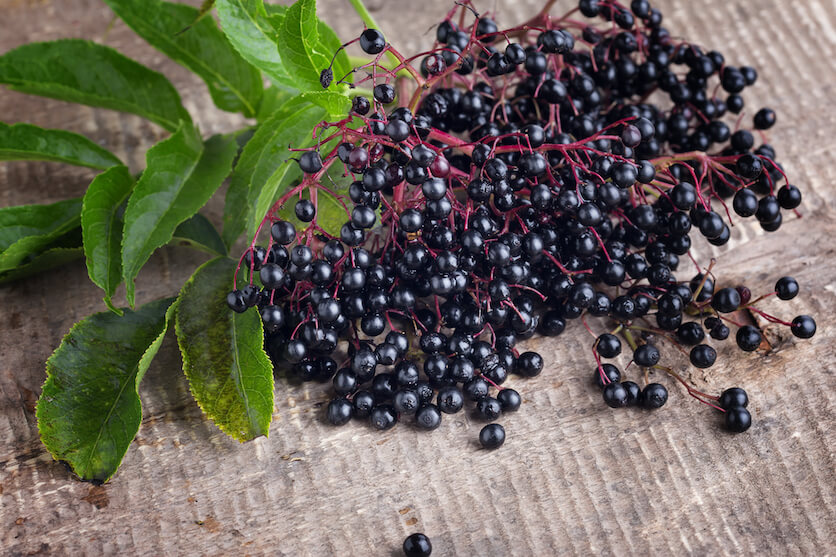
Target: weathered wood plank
[[574, 477]]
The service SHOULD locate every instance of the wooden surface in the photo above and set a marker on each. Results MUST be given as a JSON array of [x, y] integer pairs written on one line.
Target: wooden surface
[[573, 476]]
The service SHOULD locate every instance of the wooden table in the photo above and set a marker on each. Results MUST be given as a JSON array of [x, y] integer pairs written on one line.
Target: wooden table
[[573, 477]]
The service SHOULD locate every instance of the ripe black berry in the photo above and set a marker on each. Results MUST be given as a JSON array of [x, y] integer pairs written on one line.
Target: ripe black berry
[[310, 162], [383, 417], [803, 326], [450, 399], [733, 398], [305, 210], [340, 411], [748, 338], [235, 301], [745, 202], [406, 401], [654, 396], [789, 197], [764, 118], [719, 332], [273, 317], [646, 355], [372, 41], [363, 404], [611, 372], [360, 105], [417, 545], [749, 166], [345, 382], [384, 93], [633, 392], [703, 356], [529, 364], [615, 395], [428, 417], [589, 8], [488, 408], [509, 399], [786, 288], [476, 389], [608, 346], [738, 419], [492, 436], [272, 276], [726, 300], [690, 333]]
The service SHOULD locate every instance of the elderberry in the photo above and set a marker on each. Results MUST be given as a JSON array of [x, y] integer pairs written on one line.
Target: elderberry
[[417, 545], [530, 186], [492, 436]]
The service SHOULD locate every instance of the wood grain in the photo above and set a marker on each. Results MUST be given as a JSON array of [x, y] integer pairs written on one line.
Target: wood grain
[[573, 478]]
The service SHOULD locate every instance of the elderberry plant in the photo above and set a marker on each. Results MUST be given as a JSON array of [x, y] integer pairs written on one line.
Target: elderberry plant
[[412, 218], [525, 181]]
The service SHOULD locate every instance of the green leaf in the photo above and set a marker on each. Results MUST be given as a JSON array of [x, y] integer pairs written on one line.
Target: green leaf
[[267, 151], [49, 259], [89, 410], [28, 142], [201, 234], [101, 225], [273, 99], [234, 84], [22, 221], [275, 14], [204, 10], [84, 72], [293, 62], [336, 103], [180, 177], [229, 373], [303, 54], [26, 230], [252, 32], [275, 170]]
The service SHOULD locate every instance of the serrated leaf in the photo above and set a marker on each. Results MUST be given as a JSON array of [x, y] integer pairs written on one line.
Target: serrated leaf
[[22, 221], [84, 72], [180, 177], [49, 259], [199, 233], [229, 373], [251, 31], [303, 54], [26, 230], [290, 126], [233, 83], [336, 103], [89, 410], [27, 142], [101, 226]]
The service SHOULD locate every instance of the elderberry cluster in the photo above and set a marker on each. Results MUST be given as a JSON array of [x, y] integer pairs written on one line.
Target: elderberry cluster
[[527, 183]]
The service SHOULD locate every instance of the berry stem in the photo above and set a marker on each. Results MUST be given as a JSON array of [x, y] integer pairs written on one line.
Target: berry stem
[[699, 395]]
